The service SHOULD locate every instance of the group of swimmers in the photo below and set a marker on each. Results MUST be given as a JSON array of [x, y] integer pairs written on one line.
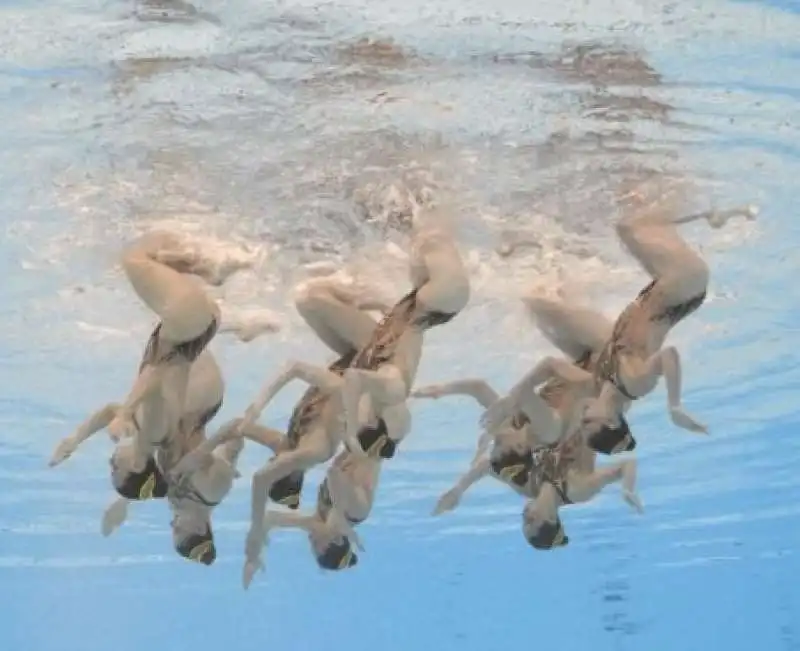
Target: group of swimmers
[[541, 439]]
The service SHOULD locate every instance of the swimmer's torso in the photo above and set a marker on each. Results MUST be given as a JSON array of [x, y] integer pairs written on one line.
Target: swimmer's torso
[[398, 337], [641, 330], [312, 404], [200, 376], [558, 395]]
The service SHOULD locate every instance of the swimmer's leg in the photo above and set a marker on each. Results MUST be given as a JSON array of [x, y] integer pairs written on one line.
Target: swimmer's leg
[[572, 329], [640, 376], [314, 449], [449, 500], [483, 393], [337, 313], [544, 420], [275, 520], [96, 422], [184, 308], [437, 270], [480, 390], [582, 488], [652, 238]]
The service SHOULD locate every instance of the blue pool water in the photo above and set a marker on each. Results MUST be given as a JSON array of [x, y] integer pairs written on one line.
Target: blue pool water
[[261, 126]]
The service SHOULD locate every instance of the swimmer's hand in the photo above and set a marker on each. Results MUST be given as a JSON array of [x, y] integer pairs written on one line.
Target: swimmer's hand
[[64, 450], [121, 426], [685, 421], [632, 499], [114, 516], [434, 391], [447, 502]]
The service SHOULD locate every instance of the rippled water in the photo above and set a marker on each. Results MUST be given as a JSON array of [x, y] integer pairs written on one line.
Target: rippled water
[[288, 132]]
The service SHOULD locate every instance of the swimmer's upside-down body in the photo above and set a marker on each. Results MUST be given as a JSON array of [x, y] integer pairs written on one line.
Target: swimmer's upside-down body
[[634, 357], [550, 471], [178, 389], [344, 500], [552, 422], [369, 385]]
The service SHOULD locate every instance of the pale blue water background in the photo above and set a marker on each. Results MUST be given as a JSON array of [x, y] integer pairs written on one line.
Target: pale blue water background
[[260, 129]]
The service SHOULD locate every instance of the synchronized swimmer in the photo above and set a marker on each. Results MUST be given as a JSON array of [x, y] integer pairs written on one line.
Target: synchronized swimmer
[[541, 439]]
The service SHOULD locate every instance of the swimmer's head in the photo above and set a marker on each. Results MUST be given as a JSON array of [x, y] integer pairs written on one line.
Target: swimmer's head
[[598, 417], [193, 540], [375, 441], [336, 555], [148, 483], [286, 490], [542, 533], [608, 438]]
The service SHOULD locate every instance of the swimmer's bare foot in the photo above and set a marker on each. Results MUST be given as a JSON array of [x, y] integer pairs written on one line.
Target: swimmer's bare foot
[[718, 218]]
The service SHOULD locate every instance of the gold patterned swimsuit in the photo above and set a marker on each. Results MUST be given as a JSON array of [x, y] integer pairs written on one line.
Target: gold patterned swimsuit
[[550, 465], [287, 489], [516, 466], [157, 352], [607, 368], [381, 350], [150, 482]]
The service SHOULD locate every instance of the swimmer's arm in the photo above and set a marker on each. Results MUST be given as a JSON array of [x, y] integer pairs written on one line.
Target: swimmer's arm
[[476, 472], [449, 500], [476, 388], [148, 381], [201, 455], [549, 368], [96, 422], [266, 436]]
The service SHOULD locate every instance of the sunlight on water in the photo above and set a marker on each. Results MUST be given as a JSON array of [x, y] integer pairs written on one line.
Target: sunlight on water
[[287, 134]]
